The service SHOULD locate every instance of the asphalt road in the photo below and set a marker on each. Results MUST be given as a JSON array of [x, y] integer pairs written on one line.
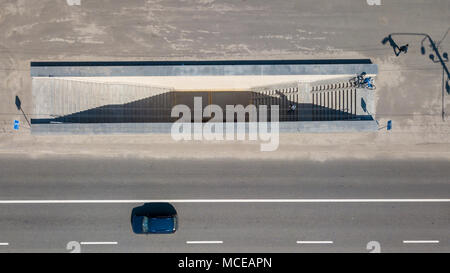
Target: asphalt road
[[408, 92], [252, 227]]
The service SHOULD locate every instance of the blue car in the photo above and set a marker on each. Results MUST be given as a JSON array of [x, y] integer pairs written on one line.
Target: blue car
[[156, 218], [145, 224]]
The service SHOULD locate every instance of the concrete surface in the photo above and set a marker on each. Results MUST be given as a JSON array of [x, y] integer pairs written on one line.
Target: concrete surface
[[340, 126], [314, 147], [55, 97], [142, 99], [210, 83], [408, 86], [201, 70]]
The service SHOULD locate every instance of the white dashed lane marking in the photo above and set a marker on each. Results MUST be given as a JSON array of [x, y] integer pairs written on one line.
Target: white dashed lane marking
[[314, 242], [421, 241], [98, 243], [204, 242]]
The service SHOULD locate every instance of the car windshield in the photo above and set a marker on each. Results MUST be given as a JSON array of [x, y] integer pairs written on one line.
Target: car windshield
[[145, 224]]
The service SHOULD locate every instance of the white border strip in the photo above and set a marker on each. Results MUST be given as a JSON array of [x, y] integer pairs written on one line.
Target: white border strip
[[98, 243], [4, 244], [314, 242], [421, 241], [225, 201], [204, 242]]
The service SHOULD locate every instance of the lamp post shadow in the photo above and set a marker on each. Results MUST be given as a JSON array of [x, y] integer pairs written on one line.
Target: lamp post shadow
[[442, 59], [19, 107]]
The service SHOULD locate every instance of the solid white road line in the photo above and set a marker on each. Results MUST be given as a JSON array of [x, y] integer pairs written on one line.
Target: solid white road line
[[224, 201], [314, 242], [421, 241], [98, 243], [204, 242], [4, 244]]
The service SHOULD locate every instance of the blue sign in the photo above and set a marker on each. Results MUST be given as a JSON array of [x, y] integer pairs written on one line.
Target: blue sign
[[389, 125], [16, 125]]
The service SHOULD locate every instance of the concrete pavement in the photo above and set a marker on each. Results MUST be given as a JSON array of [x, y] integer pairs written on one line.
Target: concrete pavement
[[408, 86]]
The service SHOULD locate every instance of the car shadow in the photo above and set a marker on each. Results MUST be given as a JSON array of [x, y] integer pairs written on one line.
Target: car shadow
[[154, 210]]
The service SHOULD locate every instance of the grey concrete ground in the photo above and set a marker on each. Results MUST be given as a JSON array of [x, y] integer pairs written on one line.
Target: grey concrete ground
[[408, 86], [342, 126], [255, 227]]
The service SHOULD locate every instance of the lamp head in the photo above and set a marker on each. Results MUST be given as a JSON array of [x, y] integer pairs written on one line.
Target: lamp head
[[422, 50]]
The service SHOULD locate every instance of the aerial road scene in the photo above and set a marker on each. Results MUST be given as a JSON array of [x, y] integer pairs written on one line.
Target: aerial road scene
[[223, 126]]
